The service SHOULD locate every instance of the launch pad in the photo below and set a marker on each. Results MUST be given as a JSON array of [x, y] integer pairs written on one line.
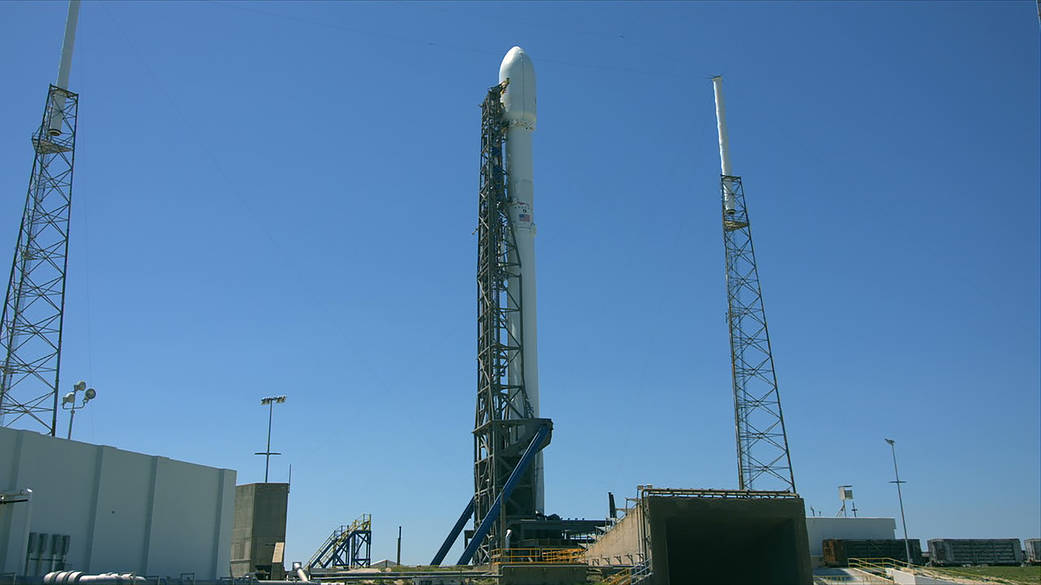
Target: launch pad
[[675, 536]]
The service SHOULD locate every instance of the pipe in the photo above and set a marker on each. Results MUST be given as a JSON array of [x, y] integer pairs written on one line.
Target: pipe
[[724, 141], [68, 577], [64, 66], [301, 574], [67, 44]]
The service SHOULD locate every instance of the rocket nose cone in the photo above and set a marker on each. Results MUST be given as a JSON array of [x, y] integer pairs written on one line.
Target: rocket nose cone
[[519, 97]]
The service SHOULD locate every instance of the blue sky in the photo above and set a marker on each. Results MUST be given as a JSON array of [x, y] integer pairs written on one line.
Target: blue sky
[[279, 198]]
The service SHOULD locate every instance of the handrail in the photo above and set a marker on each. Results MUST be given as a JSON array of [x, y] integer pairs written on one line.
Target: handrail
[[340, 535], [878, 563], [704, 493], [542, 555], [881, 567], [623, 577]]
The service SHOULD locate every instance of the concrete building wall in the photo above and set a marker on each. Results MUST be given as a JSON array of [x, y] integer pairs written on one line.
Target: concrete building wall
[[820, 529], [260, 523], [620, 544], [123, 511]]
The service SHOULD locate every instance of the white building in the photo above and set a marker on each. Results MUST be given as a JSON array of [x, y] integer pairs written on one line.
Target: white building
[[100, 509], [819, 529]]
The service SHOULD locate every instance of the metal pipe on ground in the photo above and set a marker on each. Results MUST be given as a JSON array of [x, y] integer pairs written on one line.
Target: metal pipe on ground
[[68, 577], [301, 574]]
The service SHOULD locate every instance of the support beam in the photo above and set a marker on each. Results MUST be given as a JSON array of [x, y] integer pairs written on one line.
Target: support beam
[[536, 445], [453, 534]]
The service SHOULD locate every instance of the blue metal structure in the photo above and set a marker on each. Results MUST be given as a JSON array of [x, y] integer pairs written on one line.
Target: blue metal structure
[[454, 534], [536, 445], [348, 546]]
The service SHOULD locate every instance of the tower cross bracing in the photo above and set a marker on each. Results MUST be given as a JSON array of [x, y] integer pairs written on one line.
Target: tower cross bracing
[[762, 443], [504, 423], [33, 313]]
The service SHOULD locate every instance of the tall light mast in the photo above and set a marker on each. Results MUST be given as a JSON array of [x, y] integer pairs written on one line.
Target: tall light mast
[[762, 444], [31, 325]]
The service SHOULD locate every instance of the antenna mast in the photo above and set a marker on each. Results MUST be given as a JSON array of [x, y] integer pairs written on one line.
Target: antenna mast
[[34, 308], [762, 444]]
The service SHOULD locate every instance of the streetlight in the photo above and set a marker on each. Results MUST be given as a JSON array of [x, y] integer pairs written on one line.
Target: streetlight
[[270, 402], [900, 496], [68, 402]]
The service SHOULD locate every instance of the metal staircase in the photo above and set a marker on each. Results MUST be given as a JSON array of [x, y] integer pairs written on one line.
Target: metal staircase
[[347, 546]]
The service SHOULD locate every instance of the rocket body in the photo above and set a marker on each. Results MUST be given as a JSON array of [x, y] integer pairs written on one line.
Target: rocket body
[[518, 101]]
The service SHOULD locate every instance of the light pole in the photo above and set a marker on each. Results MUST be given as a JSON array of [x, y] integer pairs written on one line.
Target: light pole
[[68, 402], [900, 496], [270, 402]]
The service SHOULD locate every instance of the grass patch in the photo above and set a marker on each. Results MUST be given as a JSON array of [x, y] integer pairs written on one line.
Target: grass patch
[[1018, 575]]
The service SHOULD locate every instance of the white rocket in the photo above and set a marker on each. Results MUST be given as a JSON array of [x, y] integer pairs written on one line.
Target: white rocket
[[518, 101]]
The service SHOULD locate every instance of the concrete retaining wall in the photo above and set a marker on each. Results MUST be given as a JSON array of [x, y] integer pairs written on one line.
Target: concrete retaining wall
[[712, 540]]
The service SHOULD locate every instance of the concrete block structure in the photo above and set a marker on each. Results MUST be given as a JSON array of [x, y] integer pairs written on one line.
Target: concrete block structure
[[689, 537], [259, 534], [95, 509], [819, 529]]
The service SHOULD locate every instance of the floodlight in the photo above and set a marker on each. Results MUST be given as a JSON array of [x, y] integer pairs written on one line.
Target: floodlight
[[89, 395], [69, 398], [890, 441], [80, 386]]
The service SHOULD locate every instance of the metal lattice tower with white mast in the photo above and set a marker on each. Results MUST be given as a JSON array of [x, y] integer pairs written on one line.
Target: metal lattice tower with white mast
[[762, 443], [33, 313]]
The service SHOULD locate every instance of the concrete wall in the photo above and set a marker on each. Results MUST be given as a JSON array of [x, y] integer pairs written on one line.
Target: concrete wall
[[712, 540], [260, 523], [123, 511], [820, 529], [621, 544], [752, 541]]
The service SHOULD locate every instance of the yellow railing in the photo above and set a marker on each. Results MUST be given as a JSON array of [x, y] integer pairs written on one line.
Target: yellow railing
[[363, 522], [544, 556], [878, 565], [623, 577], [868, 579]]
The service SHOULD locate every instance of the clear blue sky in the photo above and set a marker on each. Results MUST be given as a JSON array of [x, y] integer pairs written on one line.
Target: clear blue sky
[[280, 198]]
